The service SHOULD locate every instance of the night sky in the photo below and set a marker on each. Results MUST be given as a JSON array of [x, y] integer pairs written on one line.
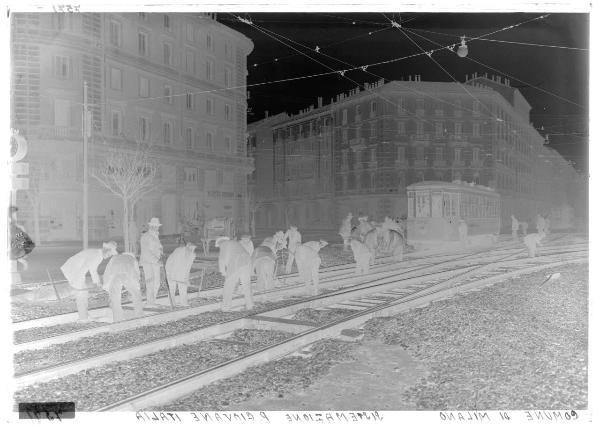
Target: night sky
[[553, 80]]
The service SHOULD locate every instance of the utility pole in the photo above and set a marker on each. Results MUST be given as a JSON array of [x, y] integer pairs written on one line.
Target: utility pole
[[86, 132]]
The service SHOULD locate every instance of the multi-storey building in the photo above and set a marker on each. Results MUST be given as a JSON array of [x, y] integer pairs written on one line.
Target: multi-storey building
[[359, 152], [173, 81]]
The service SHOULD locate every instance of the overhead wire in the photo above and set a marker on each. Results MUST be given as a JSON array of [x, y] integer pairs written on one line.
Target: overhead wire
[[505, 74]]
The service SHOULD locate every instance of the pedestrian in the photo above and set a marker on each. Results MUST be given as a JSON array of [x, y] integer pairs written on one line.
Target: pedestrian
[[123, 271], [524, 227], [308, 262], [178, 268], [463, 232], [76, 268], [151, 260], [294, 239], [514, 227], [533, 241], [346, 230], [540, 224], [235, 265], [21, 244]]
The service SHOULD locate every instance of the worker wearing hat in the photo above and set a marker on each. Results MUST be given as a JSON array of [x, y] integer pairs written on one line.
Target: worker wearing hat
[[150, 258], [76, 269]]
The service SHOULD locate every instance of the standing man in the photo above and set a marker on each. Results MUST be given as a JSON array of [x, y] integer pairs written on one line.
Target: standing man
[[294, 238], [76, 269], [150, 259], [540, 224], [515, 227], [235, 265]]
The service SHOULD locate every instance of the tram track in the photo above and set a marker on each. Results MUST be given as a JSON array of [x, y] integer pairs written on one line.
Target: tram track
[[289, 288], [101, 313], [415, 297], [344, 293]]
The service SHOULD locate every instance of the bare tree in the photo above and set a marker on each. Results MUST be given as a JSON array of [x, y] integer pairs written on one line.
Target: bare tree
[[128, 174], [33, 195]]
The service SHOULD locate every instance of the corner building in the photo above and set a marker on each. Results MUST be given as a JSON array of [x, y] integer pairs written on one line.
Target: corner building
[[358, 153], [174, 81]]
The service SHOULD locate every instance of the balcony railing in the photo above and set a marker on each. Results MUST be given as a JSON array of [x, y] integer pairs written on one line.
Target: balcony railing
[[420, 163], [439, 163], [423, 138], [55, 132]]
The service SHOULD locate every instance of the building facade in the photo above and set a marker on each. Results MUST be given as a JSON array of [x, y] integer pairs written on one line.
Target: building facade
[[359, 152], [175, 82]]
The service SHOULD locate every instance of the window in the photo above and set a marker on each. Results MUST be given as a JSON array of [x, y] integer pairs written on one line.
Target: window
[[62, 112], [144, 129], [457, 108], [357, 113], [189, 32], [62, 21], [209, 42], [220, 177], [197, 142], [420, 152], [227, 112], [439, 153], [373, 108], [116, 79], [373, 130], [344, 117], [210, 69], [143, 16], [143, 44], [420, 107], [167, 133], [191, 175], [167, 54], [228, 80], [420, 128], [422, 204], [167, 92], [401, 154], [439, 129], [210, 106], [189, 101], [167, 22], [144, 87], [457, 154], [62, 67], [458, 129], [476, 108], [115, 123], [190, 62], [228, 144], [475, 154], [476, 130], [209, 142], [401, 128], [401, 109], [116, 31], [345, 135], [228, 51], [188, 138]]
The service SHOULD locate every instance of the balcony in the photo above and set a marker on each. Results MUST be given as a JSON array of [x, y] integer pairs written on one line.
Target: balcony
[[401, 164], [422, 163], [458, 140], [477, 164], [458, 164], [43, 132], [439, 163], [357, 144]]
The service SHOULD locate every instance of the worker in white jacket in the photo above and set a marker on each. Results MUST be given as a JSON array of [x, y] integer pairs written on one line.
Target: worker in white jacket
[[178, 268], [308, 262], [150, 258], [76, 268], [123, 271], [294, 239]]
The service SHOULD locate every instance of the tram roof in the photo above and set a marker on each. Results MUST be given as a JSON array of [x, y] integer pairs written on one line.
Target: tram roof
[[453, 186]]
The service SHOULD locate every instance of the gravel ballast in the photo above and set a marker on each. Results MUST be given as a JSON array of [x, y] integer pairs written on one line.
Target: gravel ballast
[[272, 379], [97, 387], [28, 360], [517, 345]]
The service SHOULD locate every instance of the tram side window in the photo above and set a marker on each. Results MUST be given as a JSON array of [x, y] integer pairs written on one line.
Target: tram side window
[[422, 205], [450, 204]]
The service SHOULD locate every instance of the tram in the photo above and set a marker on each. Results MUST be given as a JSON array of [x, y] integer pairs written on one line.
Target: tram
[[435, 209]]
